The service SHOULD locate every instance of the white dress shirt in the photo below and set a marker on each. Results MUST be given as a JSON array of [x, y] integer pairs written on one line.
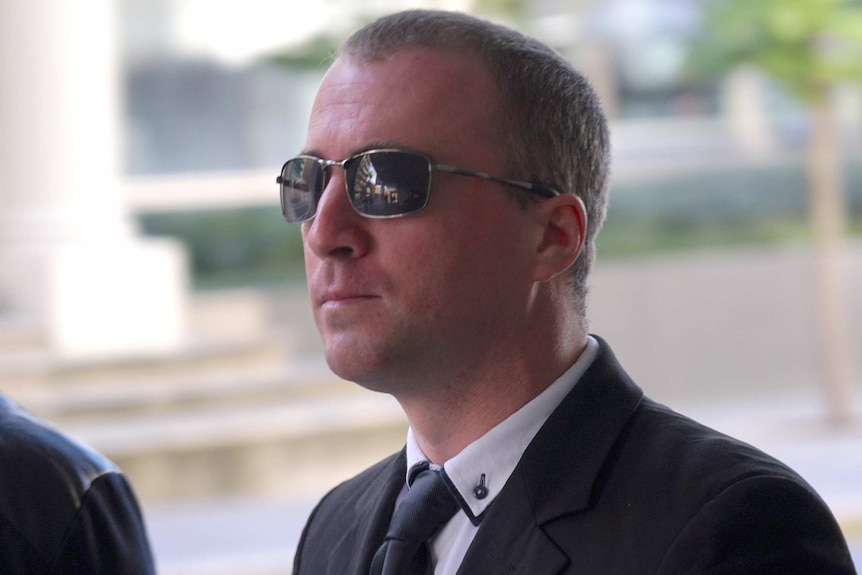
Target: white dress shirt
[[481, 469]]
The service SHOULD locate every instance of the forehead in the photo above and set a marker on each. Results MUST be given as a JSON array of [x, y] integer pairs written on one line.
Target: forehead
[[431, 100]]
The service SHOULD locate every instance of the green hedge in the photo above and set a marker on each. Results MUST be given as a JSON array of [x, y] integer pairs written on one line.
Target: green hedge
[[716, 209], [235, 247]]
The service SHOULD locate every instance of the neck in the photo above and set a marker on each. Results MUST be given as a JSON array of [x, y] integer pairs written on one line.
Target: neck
[[451, 415]]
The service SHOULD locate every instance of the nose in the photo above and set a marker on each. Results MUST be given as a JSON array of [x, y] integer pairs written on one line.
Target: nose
[[336, 231]]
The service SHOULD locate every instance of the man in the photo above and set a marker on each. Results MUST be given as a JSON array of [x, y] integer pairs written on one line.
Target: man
[[64, 509], [450, 192]]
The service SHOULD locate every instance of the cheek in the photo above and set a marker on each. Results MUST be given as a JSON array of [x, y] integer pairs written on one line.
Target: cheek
[[310, 259], [444, 266], [423, 263]]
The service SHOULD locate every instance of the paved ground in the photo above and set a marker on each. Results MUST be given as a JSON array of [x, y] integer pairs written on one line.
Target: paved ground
[[257, 537]]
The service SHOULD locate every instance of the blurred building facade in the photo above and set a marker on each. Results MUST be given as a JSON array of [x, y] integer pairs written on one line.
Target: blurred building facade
[[74, 274], [191, 107]]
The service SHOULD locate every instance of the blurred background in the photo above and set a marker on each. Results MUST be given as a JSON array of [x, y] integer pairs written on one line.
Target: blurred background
[[152, 300]]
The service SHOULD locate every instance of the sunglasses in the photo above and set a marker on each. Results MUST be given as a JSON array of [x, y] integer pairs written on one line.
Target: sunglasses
[[379, 183]]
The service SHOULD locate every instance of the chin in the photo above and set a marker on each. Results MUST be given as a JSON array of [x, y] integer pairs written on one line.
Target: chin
[[350, 368], [374, 376]]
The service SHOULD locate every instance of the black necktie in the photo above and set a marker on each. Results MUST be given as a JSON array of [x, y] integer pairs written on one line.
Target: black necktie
[[423, 511]]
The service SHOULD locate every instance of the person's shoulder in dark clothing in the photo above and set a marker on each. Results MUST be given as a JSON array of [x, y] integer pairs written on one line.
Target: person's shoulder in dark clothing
[[736, 509], [64, 508]]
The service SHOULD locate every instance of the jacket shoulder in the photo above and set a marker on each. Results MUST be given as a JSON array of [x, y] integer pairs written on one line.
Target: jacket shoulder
[[701, 500], [34, 455], [624, 484], [691, 452], [46, 479]]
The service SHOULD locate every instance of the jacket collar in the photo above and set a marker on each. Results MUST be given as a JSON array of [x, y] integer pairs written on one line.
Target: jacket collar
[[557, 474]]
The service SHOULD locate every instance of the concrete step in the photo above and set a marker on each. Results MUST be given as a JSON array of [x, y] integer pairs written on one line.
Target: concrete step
[[235, 413], [18, 335], [280, 448], [227, 420], [236, 379], [247, 408], [60, 389]]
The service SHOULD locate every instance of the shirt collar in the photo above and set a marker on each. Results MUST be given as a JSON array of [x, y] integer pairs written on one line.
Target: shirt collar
[[479, 472]]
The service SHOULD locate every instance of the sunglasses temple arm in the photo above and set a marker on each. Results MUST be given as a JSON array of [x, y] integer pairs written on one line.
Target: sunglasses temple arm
[[534, 187]]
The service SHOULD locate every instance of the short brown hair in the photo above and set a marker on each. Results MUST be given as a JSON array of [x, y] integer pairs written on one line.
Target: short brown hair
[[554, 130]]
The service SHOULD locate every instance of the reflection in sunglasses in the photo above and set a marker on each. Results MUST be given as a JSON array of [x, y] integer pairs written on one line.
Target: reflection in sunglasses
[[370, 187]]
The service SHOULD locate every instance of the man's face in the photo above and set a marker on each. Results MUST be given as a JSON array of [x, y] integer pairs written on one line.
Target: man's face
[[425, 297]]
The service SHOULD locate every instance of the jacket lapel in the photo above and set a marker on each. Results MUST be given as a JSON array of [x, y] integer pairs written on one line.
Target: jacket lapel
[[509, 541], [352, 553], [556, 477]]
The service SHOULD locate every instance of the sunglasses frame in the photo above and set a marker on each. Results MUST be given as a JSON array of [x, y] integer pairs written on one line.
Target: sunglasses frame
[[536, 188]]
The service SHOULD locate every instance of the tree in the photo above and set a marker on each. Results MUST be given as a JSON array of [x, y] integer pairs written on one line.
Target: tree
[[809, 47]]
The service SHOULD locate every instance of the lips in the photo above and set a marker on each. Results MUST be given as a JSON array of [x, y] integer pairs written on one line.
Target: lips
[[336, 295], [333, 287], [344, 298]]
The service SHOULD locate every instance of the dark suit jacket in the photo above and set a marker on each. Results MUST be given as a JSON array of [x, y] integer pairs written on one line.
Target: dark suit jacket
[[64, 509], [613, 483]]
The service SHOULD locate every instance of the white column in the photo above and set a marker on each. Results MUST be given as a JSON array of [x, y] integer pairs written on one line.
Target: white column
[[69, 258]]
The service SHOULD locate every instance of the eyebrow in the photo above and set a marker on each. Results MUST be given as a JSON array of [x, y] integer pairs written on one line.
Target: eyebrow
[[374, 145]]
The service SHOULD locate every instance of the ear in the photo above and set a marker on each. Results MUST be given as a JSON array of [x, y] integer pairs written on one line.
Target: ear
[[564, 229]]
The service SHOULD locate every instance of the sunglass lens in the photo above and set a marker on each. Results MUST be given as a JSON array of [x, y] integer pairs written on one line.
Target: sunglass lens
[[301, 180], [388, 183]]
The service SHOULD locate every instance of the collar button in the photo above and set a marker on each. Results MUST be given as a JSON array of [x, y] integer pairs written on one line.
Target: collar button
[[480, 491]]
